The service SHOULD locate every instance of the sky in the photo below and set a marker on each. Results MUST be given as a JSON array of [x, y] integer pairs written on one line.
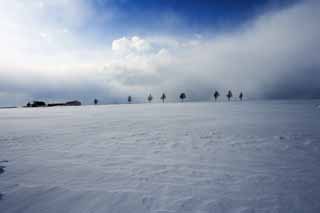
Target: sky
[[109, 49]]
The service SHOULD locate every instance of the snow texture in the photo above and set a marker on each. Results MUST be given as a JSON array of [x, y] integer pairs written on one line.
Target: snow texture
[[240, 157]]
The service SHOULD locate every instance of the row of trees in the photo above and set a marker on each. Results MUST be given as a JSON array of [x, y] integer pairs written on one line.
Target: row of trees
[[182, 96], [163, 97], [229, 95]]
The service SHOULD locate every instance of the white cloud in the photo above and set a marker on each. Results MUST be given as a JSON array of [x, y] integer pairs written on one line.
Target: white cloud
[[127, 45], [275, 55]]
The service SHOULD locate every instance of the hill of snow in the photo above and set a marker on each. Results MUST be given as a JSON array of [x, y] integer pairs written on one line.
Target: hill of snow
[[162, 158]]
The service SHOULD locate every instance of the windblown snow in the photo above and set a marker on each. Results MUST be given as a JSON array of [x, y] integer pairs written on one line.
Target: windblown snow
[[162, 158]]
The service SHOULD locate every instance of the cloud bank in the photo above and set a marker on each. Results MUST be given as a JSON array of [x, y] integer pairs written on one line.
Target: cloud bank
[[276, 55]]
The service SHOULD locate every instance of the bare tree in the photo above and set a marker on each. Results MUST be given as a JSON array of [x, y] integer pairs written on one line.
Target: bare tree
[[163, 97], [182, 96], [150, 98], [216, 95], [241, 96], [229, 95]]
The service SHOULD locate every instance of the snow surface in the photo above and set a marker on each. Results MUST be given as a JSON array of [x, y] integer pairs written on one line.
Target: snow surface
[[191, 157]]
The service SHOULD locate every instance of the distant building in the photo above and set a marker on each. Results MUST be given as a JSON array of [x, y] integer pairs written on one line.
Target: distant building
[[38, 104], [56, 104], [43, 104], [70, 103], [73, 103]]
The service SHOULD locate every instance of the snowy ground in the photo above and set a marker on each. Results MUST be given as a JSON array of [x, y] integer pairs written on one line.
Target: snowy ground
[[191, 157]]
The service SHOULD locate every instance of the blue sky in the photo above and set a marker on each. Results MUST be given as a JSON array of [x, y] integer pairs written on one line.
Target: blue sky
[[106, 49], [118, 17]]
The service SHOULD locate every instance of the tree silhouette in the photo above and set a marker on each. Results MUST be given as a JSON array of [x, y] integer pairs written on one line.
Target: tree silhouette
[[150, 98], [95, 101], [163, 97], [216, 95], [229, 95], [241, 96], [182, 96], [129, 99]]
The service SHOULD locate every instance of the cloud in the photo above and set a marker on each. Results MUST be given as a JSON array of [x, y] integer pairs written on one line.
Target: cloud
[[42, 52], [273, 56], [44, 55], [135, 44]]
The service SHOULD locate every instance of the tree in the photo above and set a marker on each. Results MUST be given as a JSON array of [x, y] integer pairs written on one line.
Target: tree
[[163, 97], [229, 95], [129, 99], [216, 95], [241, 96], [95, 101], [150, 98], [182, 96]]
